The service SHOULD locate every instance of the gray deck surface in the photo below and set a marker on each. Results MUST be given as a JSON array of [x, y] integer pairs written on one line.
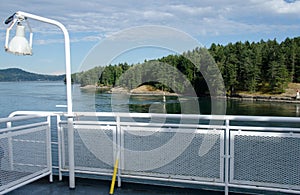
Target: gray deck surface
[[99, 187]]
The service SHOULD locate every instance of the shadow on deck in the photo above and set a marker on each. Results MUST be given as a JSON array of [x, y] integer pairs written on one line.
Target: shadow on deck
[[91, 186]]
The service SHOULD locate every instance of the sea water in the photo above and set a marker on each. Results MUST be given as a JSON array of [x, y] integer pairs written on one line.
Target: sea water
[[45, 96]]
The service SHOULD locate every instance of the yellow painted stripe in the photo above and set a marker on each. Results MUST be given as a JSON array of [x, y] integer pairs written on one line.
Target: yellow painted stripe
[[113, 181]]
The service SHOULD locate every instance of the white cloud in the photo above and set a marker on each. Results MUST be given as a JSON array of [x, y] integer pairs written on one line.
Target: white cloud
[[282, 7], [192, 10], [209, 21], [157, 15], [198, 18], [48, 41]]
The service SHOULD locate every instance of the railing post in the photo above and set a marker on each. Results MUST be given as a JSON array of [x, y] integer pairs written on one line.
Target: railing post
[[227, 156], [119, 149], [59, 147], [10, 148], [71, 153], [49, 152]]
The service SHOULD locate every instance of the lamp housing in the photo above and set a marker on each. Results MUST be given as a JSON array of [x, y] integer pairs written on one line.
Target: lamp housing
[[19, 45]]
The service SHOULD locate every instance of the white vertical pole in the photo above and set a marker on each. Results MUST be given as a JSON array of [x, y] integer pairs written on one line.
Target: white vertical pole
[[227, 157], [48, 145], [69, 90], [10, 148], [59, 147], [119, 149]]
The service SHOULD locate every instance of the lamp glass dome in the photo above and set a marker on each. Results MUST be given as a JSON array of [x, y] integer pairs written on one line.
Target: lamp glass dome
[[19, 44]]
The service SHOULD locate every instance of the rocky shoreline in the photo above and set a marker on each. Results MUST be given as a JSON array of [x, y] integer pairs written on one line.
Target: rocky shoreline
[[265, 98], [289, 96], [123, 90], [143, 90], [150, 90]]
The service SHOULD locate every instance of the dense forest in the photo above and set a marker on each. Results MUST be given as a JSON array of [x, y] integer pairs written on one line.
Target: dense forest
[[266, 66]]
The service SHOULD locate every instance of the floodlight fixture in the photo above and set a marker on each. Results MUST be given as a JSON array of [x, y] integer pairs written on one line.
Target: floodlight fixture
[[18, 45]]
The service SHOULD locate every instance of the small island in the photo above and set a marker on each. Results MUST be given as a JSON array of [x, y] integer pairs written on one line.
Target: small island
[[265, 70]]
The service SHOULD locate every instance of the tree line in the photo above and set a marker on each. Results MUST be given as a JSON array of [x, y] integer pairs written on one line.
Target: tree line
[[266, 66]]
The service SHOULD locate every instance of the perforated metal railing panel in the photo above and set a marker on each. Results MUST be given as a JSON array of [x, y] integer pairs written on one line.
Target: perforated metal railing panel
[[23, 154], [93, 148], [268, 159], [173, 153], [170, 153], [257, 156]]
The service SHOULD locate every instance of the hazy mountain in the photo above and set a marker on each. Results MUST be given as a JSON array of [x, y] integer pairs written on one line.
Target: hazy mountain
[[16, 74]]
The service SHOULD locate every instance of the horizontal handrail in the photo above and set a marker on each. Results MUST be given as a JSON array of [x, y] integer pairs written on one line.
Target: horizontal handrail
[[35, 113], [23, 127], [191, 116], [150, 115], [278, 129], [18, 118]]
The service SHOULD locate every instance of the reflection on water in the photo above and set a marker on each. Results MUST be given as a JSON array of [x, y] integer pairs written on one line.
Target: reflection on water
[[102, 101], [238, 107], [44, 96], [154, 104]]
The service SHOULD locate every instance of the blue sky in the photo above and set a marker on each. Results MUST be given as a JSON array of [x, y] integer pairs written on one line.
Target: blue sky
[[91, 22]]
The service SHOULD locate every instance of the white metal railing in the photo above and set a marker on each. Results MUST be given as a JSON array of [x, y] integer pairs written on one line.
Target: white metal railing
[[195, 149], [25, 151], [252, 152]]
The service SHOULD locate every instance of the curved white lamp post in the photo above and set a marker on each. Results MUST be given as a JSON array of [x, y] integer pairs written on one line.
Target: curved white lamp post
[[20, 46]]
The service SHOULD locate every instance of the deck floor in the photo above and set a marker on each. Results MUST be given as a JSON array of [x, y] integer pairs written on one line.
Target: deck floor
[[99, 187]]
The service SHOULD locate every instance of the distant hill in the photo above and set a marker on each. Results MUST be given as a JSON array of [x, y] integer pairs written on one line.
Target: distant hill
[[16, 74]]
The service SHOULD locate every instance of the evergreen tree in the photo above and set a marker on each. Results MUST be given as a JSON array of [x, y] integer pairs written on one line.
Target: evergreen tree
[[266, 66]]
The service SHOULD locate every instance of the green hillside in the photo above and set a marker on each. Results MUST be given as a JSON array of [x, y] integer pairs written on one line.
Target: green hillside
[[16, 74]]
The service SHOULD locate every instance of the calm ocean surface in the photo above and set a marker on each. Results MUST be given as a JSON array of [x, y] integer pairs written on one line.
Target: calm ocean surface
[[44, 96]]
